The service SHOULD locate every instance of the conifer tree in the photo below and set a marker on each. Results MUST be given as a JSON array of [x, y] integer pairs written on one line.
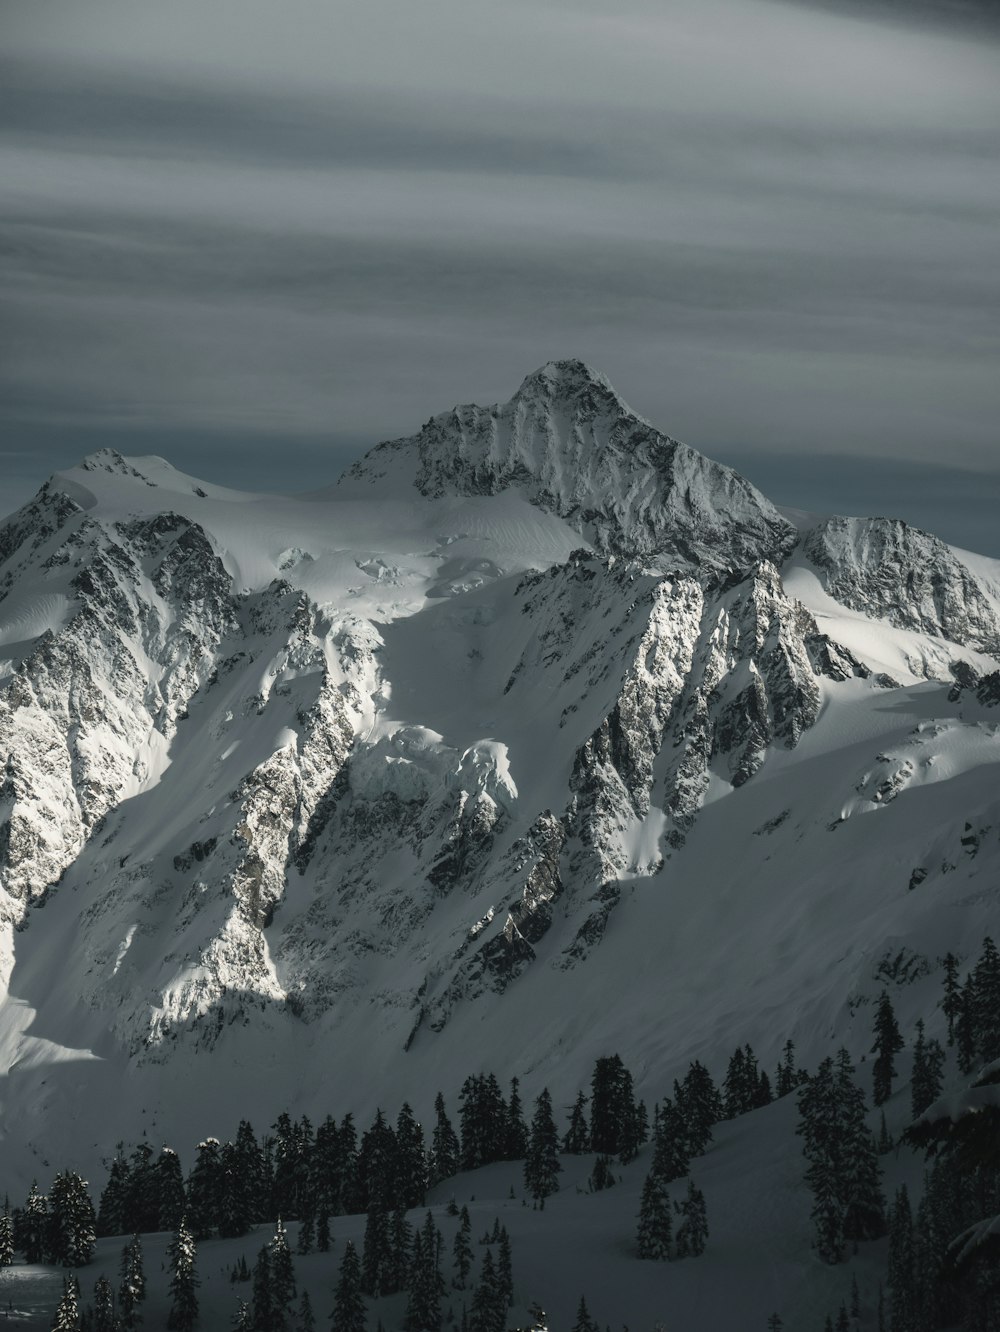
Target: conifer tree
[[855, 1299], [965, 1027], [376, 1261], [411, 1161], [104, 1319], [670, 1143], [305, 1319], [348, 1306], [505, 1270], [36, 1222], [926, 1079], [786, 1079], [888, 1043], [541, 1166], [774, 1323], [577, 1139], [612, 1105], [204, 1190], [183, 1281], [67, 1315], [243, 1317], [132, 1286], [462, 1250], [400, 1251], [323, 1231], [952, 1002], [489, 1312], [601, 1176], [885, 1143], [111, 1208], [169, 1190], [584, 1322], [655, 1223], [444, 1144], [901, 1265], [263, 1296], [6, 1239], [72, 1230], [699, 1105], [843, 1323], [986, 1005], [307, 1232], [426, 1285], [516, 1131], [283, 1289], [692, 1233], [858, 1171]]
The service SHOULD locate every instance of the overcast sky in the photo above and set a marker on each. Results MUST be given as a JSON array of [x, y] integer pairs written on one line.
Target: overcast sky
[[256, 238]]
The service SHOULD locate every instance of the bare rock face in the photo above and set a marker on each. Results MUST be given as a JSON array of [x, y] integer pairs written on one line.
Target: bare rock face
[[884, 568]]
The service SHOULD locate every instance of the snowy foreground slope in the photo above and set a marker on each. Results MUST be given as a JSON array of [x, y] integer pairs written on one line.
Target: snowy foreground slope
[[537, 737]]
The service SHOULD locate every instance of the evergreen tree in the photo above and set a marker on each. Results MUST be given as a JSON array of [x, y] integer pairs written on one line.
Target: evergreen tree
[[323, 1231], [111, 1208], [307, 1233], [132, 1286], [489, 1312], [141, 1209], [462, 1250], [235, 1209], [927, 1077], [855, 1299], [426, 1285], [858, 1170], [612, 1105], [376, 1261], [306, 1319], [584, 1322], [283, 1289], [263, 1296], [348, 1307], [516, 1133], [952, 1002], [692, 1233], [249, 1166], [901, 1264], [785, 1078], [243, 1317], [183, 1282], [505, 1270], [376, 1166], [541, 1166], [843, 1323], [885, 1143], [888, 1043], [819, 1121], [169, 1189], [601, 1176], [104, 1319], [655, 1223], [965, 1027], [671, 1156], [577, 1139], [444, 1144], [411, 1161], [36, 1224], [986, 1006], [72, 1230], [6, 1239], [400, 1247], [699, 1105], [204, 1190], [67, 1316], [774, 1323]]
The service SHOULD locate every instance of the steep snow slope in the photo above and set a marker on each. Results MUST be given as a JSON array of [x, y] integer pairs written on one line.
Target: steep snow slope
[[537, 737]]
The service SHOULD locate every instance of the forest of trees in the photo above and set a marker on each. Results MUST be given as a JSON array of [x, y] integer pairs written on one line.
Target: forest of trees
[[310, 1174]]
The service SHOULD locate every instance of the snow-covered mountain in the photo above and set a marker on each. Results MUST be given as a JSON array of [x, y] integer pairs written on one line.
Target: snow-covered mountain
[[536, 737]]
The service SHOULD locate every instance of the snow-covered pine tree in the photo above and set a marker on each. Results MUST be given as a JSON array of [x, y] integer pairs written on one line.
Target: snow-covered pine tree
[[400, 1251], [577, 1139], [283, 1288], [584, 1322], [376, 1166], [859, 1174], [819, 1127], [376, 1261], [183, 1281], [489, 1310], [951, 1001], [6, 1239], [655, 1230], [307, 1232], [305, 1320], [349, 1313], [104, 1319], [423, 1313], [132, 1285], [926, 1080], [700, 1106], [72, 1230], [601, 1177], [888, 1043], [36, 1223], [692, 1233], [462, 1250], [541, 1166], [323, 1231], [986, 1006], [785, 1078], [612, 1105], [67, 1315], [242, 1318]]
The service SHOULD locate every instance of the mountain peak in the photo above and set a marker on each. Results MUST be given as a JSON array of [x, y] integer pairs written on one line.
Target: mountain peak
[[569, 445]]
